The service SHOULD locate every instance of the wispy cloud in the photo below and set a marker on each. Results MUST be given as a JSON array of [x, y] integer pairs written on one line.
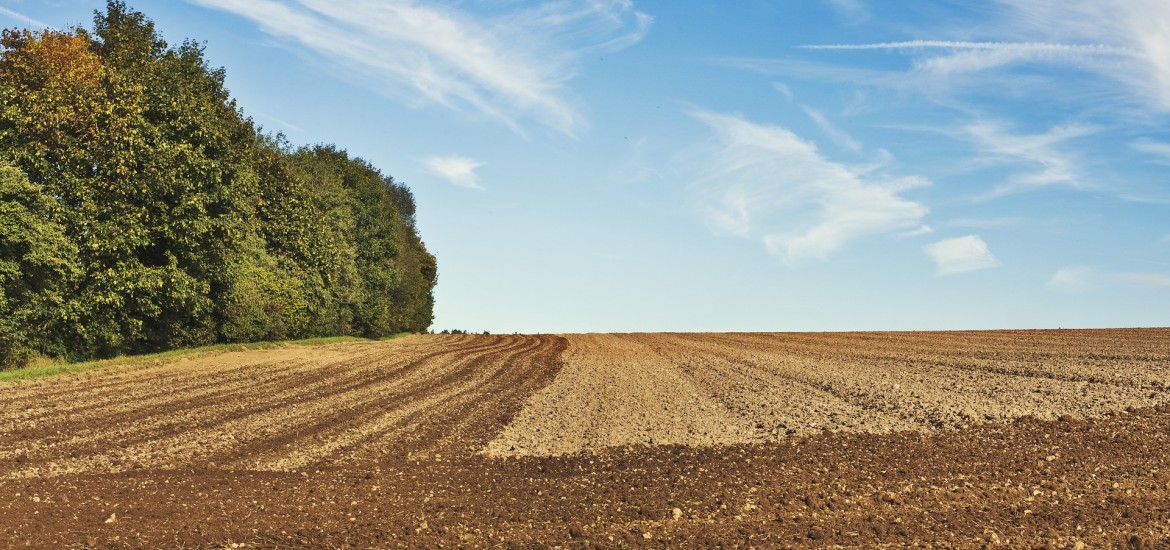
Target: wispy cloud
[[281, 122], [1021, 49], [940, 62], [764, 181], [986, 223], [922, 230], [1152, 281], [962, 58], [1074, 279], [1047, 164], [1125, 41], [784, 90], [34, 23], [509, 66], [637, 168], [836, 134], [961, 255], [812, 70], [1139, 26], [1157, 149], [1145, 199], [854, 10], [455, 169], [1080, 279]]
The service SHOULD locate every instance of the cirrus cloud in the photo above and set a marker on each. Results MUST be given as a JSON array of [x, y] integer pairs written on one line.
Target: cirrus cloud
[[25, 19], [1160, 151], [764, 181], [1041, 153], [1141, 28], [508, 65], [1125, 41], [1151, 281]]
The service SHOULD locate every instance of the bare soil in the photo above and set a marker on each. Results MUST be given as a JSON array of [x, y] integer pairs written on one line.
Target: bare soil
[[702, 389], [1027, 439]]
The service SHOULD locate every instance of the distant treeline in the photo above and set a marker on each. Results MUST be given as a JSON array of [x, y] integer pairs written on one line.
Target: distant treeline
[[141, 211]]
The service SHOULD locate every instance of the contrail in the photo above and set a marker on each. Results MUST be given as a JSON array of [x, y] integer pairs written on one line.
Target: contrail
[[955, 45], [23, 17]]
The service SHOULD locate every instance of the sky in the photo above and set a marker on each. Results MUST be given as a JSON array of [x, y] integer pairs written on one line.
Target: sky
[[821, 165]]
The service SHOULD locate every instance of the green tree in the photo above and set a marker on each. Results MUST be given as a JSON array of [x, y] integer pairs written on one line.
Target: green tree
[[182, 223], [38, 271], [371, 221], [64, 124]]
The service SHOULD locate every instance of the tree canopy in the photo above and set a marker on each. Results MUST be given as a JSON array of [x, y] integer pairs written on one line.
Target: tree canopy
[[140, 210]]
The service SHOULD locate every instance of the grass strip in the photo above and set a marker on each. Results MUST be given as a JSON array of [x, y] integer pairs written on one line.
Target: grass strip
[[46, 367]]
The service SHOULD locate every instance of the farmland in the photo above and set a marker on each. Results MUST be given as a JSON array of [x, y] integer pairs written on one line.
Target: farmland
[[1012, 438]]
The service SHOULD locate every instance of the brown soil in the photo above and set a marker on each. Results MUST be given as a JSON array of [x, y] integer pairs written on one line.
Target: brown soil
[[1015, 439], [701, 389]]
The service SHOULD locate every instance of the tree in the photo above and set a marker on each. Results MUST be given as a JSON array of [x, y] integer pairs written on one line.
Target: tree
[[181, 223], [38, 271]]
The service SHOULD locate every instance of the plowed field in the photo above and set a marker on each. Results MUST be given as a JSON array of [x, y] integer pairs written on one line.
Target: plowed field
[[958, 439]]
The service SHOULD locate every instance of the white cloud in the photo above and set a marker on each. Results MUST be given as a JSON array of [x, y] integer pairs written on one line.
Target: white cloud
[[1017, 49], [854, 10], [1077, 279], [1145, 199], [286, 124], [1074, 279], [1152, 281], [1125, 41], [784, 90], [986, 223], [35, 24], [1055, 167], [924, 230], [763, 180], [455, 169], [1141, 27], [796, 68], [939, 64], [960, 255], [508, 66], [637, 168], [1159, 150], [836, 134]]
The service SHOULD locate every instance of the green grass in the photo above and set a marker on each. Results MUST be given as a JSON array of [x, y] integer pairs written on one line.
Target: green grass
[[44, 367]]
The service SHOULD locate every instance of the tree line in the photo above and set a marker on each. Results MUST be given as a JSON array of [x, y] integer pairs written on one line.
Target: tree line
[[140, 210]]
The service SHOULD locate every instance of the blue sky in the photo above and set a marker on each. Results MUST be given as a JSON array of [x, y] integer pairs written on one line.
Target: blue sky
[[610, 165]]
